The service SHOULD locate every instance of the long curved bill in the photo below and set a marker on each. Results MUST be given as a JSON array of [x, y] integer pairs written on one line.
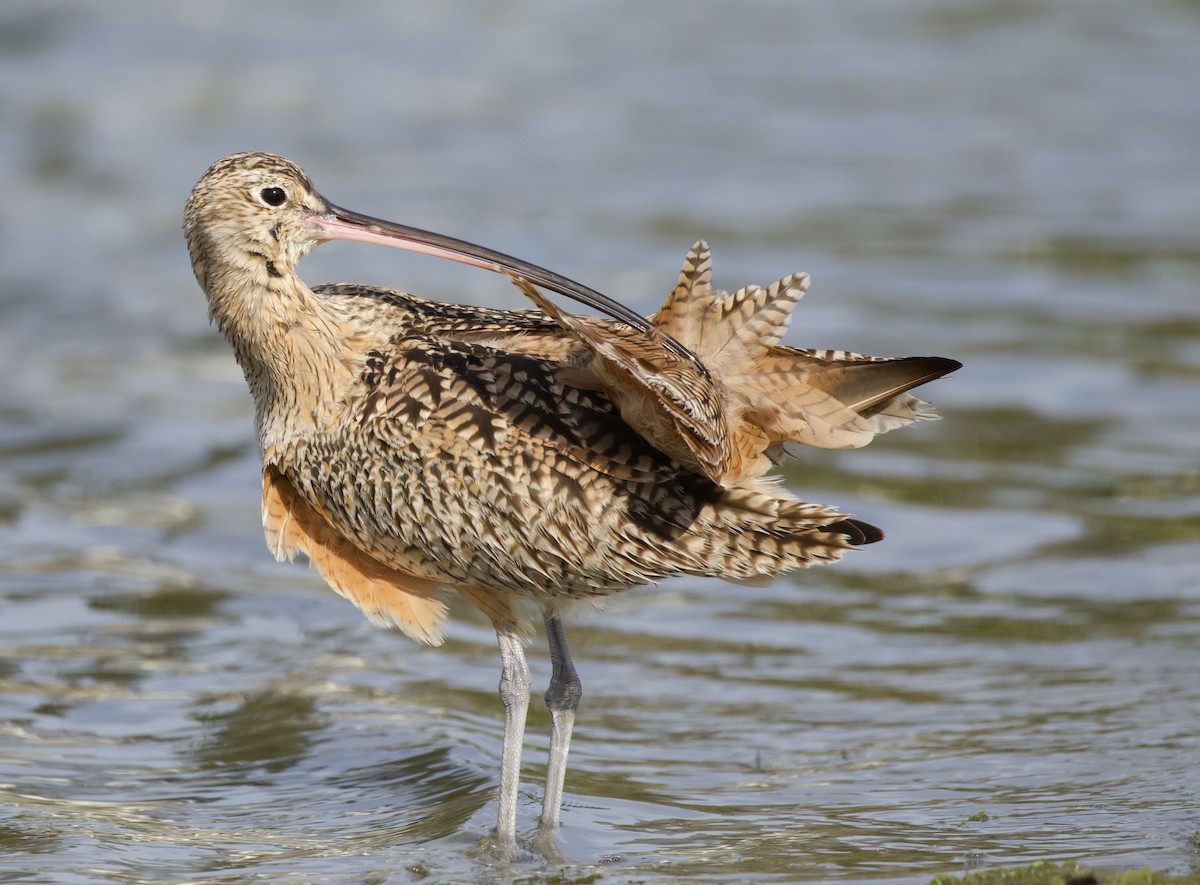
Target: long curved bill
[[336, 223]]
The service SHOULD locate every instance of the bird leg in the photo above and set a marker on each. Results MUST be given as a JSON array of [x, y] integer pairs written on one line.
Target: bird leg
[[562, 697], [514, 694]]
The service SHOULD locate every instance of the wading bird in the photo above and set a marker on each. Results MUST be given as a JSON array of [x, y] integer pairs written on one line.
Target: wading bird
[[526, 460]]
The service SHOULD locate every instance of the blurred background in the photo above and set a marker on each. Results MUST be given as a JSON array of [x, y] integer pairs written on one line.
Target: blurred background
[[1011, 676]]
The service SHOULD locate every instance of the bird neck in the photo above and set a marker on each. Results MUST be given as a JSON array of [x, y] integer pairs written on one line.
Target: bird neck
[[298, 356]]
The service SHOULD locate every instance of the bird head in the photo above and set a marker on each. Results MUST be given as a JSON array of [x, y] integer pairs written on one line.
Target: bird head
[[251, 211]]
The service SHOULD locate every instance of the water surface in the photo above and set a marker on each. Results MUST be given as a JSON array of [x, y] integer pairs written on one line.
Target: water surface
[[1011, 676]]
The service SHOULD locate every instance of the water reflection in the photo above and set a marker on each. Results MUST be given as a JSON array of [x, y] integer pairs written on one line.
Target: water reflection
[[266, 730]]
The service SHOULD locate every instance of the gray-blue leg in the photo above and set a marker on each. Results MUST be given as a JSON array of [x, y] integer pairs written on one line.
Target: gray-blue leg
[[562, 697]]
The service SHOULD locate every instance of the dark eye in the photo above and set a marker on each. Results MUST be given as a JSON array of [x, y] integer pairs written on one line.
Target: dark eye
[[273, 196]]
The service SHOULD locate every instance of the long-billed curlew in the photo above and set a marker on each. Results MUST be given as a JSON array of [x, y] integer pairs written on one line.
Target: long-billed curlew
[[521, 458]]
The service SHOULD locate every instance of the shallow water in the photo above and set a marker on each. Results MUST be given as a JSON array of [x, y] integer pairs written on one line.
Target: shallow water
[[1011, 676]]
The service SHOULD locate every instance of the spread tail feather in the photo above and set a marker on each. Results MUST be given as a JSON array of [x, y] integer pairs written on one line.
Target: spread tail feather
[[757, 396], [792, 396]]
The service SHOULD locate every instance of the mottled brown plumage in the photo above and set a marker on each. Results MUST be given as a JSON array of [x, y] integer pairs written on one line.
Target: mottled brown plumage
[[413, 449]]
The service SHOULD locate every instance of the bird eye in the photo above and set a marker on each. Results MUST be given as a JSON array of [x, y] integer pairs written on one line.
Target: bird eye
[[273, 196]]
